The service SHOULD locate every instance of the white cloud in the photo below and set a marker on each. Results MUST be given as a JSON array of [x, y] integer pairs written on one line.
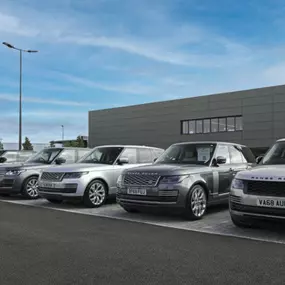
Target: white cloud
[[15, 98]]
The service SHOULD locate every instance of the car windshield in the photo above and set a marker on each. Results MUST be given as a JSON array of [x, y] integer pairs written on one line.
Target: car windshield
[[102, 155], [45, 156], [192, 153], [276, 154]]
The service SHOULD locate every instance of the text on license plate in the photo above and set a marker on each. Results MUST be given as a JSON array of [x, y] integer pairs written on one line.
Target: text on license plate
[[272, 203], [50, 185], [137, 191]]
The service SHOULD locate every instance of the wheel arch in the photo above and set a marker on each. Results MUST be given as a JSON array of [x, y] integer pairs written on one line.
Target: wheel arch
[[100, 179]]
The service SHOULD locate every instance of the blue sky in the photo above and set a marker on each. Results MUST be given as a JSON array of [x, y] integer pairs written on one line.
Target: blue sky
[[98, 54]]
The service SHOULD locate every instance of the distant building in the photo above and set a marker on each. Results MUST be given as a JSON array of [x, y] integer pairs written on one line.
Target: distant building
[[61, 142]]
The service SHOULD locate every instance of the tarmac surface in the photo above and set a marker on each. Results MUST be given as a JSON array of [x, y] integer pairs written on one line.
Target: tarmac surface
[[42, 245]]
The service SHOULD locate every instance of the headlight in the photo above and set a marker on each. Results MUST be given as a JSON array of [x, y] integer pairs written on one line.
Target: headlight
[[74, 175], [120, 181], [173, 179], [237, 184], [15, 172]]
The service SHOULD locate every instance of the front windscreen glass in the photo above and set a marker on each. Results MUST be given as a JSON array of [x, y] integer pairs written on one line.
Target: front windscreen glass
[[276, 154], [192, 153], [102, 155], [45, 156]]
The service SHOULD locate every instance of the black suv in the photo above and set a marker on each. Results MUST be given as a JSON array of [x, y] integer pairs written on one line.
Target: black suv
[[187, 177]]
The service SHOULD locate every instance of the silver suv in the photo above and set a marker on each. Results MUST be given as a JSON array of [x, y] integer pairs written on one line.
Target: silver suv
[[259, 193], [94, 177], [22, 178]]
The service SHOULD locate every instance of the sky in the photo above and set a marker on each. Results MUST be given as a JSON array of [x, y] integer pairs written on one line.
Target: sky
[[97, 54]]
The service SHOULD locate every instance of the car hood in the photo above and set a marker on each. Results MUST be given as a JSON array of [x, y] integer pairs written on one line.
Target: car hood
[[169, 169], [263, 172], [22, 165], [77, 167]]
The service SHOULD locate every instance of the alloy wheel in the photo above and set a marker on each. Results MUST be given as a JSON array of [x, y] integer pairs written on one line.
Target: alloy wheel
[[198, 202], [97, 193], [32, 187]]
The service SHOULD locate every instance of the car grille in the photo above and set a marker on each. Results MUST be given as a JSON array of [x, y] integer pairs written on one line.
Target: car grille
[[235, 199], [266, 188], [141, 179], [52, 176], [7, 183]]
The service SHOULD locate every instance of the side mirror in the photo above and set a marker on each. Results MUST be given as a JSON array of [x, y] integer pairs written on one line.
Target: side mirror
[[258, 159], [221, 160], [60, 160], [123, 160], [3, 159]]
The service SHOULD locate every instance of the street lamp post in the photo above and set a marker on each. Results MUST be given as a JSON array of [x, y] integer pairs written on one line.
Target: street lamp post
[[62, 132], [20, 90]]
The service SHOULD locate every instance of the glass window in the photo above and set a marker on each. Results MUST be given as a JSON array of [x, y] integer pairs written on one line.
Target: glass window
[[275, 155], [192, 127], [157, 153], [236, 155], [222, 125], [199, 126], [214, 125], [223, 151], [206, 126], [185, 128], [131, 154], [102, 155], [145, 155], [239, 126], [69, 155], [82, 152], [190, 153], [45, 156], [231, 124], [248, 155]]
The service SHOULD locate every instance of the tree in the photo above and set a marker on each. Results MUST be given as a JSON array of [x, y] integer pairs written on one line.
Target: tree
[[1, 145], [80, 142], [27, 144]]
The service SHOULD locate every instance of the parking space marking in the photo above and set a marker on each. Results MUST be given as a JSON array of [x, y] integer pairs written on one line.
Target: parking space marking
[[216, 222]]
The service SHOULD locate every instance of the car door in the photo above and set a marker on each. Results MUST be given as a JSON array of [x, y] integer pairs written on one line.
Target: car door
[[224, 170], [237, 160]]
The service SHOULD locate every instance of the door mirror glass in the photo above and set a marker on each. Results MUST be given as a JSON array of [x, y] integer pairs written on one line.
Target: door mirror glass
[[259, 158], [60, 160], [221, 160], [123, 160], [3, 159]]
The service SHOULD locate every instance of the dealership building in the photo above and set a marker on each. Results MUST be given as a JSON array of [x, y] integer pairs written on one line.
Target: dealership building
[[253, 117]]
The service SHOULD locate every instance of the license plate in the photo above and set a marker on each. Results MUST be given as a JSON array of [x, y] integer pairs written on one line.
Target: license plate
[[49, 185], [271, 203], [137, 191]]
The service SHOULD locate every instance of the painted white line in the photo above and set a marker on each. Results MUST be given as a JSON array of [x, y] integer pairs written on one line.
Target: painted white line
[[181, 225]]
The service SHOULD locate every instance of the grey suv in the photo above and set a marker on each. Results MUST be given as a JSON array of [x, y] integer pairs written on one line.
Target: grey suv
[[11, 156], [22, 178], [259, 193], [187, 177]]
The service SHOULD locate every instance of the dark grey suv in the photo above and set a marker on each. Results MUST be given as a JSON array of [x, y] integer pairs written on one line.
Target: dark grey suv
[[22, 178], [187, 177]]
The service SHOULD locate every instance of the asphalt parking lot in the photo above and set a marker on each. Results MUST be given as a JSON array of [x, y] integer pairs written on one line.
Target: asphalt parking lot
[[43, 246], [217, 221]]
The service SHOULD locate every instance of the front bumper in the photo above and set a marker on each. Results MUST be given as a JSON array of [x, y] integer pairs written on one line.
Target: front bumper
[[66, 189], [246, 206], [10, 185], [156, 197]]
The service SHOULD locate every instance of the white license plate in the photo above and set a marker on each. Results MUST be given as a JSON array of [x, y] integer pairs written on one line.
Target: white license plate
[[271, 203], [137, 191]]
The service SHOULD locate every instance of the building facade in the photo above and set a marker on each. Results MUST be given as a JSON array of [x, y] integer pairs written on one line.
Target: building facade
[[253, 117]]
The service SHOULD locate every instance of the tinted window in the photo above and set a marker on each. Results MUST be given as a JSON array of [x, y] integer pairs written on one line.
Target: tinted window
[[131, 154], [214, 125], [222, 125], [185, 127], [223, 151], [102, 155], [192, 127], [206, 126], [145, 155], [199, 126], [231, 124], [248, 155], [69, 155], [45, 156], [236, 155]]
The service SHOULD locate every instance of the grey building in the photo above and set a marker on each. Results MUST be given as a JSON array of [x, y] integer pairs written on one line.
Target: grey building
[[253, 117]]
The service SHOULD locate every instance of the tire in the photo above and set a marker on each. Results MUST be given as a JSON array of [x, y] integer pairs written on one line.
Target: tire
[[30, 188], [95, 194], [55, 201], [130, 209], [196, 204], [241, 223]]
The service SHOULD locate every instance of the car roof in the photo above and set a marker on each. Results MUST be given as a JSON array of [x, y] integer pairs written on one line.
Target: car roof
[[209, 142], [131, 146], [281, 140], [62, 147]]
